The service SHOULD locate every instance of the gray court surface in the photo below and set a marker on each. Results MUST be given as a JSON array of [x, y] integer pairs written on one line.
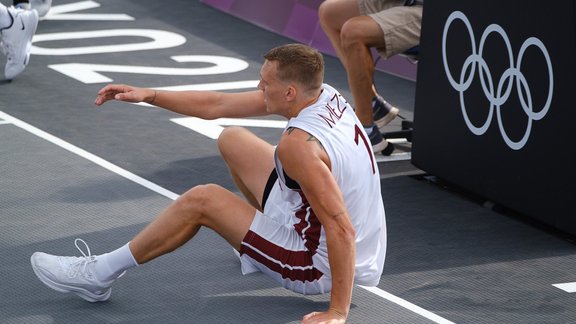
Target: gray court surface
[[70, 170]]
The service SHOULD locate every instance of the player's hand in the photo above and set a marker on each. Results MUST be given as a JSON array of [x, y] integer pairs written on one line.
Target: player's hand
[[123, 92], [328, 317]]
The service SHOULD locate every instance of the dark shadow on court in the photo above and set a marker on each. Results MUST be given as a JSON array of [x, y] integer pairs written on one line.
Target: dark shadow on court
[[430, 227]]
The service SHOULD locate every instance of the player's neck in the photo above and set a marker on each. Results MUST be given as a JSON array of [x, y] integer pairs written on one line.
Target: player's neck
[[303, 104]]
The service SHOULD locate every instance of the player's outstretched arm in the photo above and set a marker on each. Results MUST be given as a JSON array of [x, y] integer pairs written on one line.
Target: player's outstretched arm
[[202, 104]]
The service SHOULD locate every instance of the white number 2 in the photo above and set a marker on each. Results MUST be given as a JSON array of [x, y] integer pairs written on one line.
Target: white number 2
[[88, 73]]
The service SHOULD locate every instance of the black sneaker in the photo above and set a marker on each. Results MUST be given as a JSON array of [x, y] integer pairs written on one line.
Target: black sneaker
[[383, 112], [379, 144]]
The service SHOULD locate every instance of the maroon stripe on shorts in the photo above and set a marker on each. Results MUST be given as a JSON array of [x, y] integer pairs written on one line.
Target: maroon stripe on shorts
[[285, 259]]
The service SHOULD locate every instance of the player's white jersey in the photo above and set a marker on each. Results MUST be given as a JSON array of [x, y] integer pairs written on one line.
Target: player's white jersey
[[333, 122]]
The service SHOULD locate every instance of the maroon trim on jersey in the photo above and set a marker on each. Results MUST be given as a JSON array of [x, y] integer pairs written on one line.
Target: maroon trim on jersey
[[309, 229], [269, 184], [285, 259]]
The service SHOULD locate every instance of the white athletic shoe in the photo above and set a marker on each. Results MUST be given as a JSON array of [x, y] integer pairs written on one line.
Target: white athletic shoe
[[42, 6], [72, 274], [17, 40]]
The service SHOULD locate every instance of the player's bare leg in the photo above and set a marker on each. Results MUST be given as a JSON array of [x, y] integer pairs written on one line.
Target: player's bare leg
[[250, 160], [206, 205]]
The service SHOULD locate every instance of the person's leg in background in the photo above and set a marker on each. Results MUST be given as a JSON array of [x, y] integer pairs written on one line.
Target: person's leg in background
[[358, 36], [400, 23], [353, 34]]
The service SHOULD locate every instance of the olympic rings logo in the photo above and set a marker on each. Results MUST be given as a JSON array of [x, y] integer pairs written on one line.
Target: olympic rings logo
[[499, 95]]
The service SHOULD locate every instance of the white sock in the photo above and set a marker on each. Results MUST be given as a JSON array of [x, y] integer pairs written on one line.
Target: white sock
[[368, 129], [23, 5], [5, 20], [111, 265]]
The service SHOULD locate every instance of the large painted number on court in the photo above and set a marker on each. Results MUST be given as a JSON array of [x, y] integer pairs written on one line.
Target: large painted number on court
[[153, 39], [88, 73]]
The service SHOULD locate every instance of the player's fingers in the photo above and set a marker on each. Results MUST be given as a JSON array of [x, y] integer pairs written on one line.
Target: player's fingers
[[310, 315], [115, 88], [103, 97], [109, 92]]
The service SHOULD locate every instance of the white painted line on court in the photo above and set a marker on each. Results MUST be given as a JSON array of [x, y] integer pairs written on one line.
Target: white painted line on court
[[213, 128], [63, 12], [569, 287], [166, 193], [89, 156], [408, 305], [3, 122]]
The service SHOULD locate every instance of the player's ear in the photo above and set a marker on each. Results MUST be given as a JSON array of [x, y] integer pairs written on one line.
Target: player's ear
[[291, 93]]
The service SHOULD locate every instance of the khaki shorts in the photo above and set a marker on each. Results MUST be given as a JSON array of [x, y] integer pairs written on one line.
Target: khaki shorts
[[401, 25]]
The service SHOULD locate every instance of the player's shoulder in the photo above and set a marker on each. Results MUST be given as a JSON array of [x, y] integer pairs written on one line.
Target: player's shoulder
[[292, 138], [298, 145]]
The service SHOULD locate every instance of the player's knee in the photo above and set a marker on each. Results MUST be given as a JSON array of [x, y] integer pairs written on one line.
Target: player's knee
[[198, 200], [230, 131], [229, 139]]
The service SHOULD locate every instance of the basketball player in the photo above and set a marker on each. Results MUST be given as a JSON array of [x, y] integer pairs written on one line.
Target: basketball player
[[313, 218]]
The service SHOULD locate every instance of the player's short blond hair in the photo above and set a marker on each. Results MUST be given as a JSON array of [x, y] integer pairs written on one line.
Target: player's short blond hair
[[298, 63]]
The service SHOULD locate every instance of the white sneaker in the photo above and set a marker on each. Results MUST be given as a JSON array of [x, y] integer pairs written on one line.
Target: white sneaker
[[17, 40], [72, 274], [42, 6]]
